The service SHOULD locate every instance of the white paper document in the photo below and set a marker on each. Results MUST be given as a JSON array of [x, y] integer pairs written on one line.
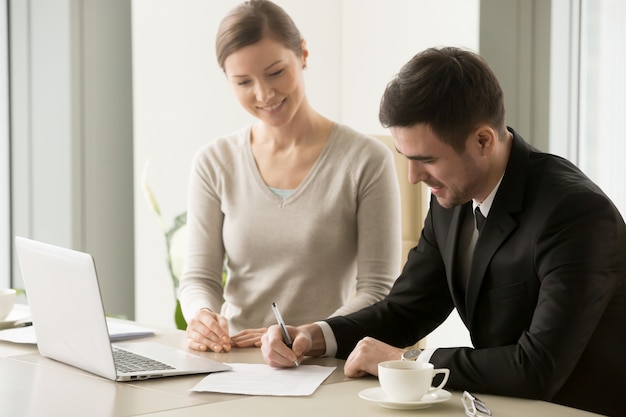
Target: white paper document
[[261, 379]]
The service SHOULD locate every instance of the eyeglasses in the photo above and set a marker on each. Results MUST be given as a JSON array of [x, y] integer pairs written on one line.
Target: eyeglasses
[[474, 407]]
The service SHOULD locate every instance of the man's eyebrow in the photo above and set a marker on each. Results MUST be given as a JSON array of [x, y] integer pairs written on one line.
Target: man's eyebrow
[[416, 157]]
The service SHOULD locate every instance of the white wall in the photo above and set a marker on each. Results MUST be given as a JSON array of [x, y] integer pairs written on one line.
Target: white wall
[[181, 99], [380, 36]]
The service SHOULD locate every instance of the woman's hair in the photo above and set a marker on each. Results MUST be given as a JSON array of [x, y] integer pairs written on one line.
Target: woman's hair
[[249, 22], [450, 89]]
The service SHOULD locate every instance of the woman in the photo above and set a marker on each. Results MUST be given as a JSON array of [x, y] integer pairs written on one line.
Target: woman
[[304, 210]]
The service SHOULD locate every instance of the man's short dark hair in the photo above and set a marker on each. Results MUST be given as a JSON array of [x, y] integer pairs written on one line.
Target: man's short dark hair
[[450, 89]]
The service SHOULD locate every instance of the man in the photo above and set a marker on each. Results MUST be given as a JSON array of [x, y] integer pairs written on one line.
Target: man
[[541, 285]]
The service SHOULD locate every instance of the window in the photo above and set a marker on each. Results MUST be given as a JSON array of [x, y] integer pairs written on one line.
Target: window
[[602, 96], [5, 201]]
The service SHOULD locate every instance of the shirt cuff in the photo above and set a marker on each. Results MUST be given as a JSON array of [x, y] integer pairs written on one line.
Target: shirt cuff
[[331, 344], [329, 339]]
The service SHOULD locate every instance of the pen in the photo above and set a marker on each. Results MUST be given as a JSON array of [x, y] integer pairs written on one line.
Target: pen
[[281, 323], [15, 324]]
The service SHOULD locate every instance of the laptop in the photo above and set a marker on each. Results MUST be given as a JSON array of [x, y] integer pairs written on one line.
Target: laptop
[[70, 323]]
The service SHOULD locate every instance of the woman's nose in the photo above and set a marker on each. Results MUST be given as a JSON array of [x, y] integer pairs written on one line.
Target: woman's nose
[[263, 92]]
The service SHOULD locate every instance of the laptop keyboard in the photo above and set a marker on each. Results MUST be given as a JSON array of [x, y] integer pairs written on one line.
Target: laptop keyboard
[[126, 361]]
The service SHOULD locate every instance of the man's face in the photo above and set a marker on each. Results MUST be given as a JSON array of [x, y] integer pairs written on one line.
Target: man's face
[[454, 178]]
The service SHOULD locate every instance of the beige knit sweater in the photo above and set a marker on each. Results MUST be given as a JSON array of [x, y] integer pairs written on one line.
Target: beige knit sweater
[[330, 248]]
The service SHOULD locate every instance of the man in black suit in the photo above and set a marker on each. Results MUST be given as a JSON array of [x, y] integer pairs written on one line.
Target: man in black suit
[[541, 286]]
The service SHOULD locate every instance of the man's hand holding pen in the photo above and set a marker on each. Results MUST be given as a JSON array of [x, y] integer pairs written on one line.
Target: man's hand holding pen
[[283, 330], [285, 346], [276, 352]]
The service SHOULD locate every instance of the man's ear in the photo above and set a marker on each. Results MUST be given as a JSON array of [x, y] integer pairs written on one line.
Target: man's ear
[[485, 139]]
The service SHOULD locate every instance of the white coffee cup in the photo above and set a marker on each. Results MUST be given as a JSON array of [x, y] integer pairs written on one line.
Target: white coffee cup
[[409, 381], [7, 301]]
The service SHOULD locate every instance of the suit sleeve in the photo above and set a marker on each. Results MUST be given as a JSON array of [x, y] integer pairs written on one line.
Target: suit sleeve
[[418, 302]]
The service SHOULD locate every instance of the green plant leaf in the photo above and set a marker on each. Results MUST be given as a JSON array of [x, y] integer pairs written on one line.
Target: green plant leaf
[[181, 323]]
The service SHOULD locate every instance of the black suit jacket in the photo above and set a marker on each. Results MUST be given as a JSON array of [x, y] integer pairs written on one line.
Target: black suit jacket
[[545, 303]]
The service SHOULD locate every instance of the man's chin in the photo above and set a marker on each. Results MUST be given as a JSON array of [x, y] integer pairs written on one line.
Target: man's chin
[[448, 203]]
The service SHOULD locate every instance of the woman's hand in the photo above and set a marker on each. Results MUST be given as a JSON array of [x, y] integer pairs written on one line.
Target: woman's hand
[[249, 338], [208, 331]]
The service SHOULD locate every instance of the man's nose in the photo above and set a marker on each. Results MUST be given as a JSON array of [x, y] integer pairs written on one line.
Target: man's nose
[[417, 173]]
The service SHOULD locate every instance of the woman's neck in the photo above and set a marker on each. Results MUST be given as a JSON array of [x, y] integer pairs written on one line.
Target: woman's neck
[[306, 126]]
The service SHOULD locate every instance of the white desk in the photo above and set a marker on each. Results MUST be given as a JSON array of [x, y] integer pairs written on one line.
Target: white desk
[[31, 385]]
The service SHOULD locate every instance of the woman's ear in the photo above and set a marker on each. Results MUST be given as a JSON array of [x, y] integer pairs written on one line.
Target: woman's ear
[[305, 54]]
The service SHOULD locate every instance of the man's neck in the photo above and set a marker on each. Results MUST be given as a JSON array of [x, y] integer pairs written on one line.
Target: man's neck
[[500, 162]]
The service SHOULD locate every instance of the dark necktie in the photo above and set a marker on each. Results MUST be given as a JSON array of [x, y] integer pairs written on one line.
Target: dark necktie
[[480, 219]]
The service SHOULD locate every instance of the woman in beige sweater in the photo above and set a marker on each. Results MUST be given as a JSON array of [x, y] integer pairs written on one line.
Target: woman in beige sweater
[[304, 210]]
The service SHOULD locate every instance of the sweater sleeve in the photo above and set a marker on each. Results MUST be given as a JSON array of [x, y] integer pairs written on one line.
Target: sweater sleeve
[[378, 226], [201, 282]]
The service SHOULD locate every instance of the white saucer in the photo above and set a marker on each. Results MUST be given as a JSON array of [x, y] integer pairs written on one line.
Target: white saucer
[[378, 395]]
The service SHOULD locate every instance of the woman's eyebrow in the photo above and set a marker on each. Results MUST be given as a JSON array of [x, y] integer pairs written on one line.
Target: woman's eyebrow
[[265, 69]]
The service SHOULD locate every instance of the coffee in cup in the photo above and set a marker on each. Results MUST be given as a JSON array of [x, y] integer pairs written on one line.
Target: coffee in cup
[[7, 300], [409, 381]]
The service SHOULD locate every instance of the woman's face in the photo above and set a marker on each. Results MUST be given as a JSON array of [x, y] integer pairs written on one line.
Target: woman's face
[[267, 80]]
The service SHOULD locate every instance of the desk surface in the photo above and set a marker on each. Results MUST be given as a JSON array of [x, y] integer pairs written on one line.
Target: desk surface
[[31, 385]]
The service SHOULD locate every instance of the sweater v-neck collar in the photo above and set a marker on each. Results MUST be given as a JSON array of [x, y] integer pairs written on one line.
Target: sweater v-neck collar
[[310, 176]]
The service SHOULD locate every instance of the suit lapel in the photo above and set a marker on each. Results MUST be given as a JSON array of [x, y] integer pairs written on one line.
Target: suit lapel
[[501, 226], [500, 222], [450, 255]]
